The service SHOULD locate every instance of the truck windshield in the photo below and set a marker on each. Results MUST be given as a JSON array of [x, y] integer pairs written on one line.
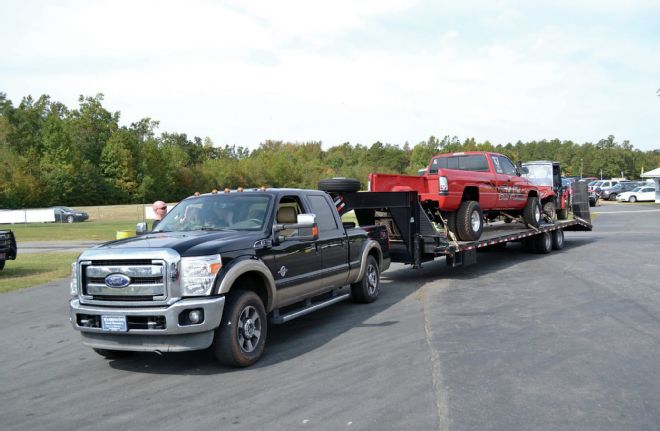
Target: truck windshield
[[540, 175], [233, 211]]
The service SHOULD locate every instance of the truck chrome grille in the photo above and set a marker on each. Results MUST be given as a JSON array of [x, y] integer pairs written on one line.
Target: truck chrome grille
[[145, 280]]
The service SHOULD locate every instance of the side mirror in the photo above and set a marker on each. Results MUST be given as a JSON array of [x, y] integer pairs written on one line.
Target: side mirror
[[141, 228], [305, 229]]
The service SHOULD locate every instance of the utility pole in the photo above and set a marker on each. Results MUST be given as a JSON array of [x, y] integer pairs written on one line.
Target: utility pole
[[581, 166]]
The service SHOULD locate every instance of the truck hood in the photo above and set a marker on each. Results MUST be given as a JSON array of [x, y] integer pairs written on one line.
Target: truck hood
[[189, 243]]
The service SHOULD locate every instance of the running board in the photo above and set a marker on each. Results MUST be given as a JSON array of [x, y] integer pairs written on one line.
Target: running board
[[309, 307]]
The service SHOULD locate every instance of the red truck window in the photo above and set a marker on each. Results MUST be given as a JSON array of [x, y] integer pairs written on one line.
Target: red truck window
[[470, 162]]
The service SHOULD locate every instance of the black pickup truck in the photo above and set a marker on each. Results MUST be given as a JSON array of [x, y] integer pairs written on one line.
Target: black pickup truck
[[218, 269], [8, 248]]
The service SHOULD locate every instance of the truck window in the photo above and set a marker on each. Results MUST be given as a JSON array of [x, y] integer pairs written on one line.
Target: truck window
[[473, 162], [325, 219], [287, 213], [506, 165]]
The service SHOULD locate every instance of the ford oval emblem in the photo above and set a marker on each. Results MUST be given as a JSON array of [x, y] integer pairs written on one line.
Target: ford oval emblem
[[117, 281]]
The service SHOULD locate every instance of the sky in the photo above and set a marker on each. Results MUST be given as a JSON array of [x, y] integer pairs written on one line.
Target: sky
[[359, 71]]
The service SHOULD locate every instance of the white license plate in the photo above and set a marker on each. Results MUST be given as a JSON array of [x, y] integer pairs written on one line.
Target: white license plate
[[114, 323]]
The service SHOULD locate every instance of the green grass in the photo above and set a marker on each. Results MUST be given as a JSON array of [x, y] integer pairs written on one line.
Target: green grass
[[34, 269], [88, 230]]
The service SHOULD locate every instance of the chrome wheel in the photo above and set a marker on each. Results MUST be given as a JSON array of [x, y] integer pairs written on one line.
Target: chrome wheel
[[372, 280], [475, 221], [249, 329]]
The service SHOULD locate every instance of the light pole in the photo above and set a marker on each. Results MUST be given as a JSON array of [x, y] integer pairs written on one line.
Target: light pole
[[581, 166]]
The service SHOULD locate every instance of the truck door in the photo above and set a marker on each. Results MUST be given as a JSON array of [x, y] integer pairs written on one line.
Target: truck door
[[296, 264], [509, 192], [332, 241]]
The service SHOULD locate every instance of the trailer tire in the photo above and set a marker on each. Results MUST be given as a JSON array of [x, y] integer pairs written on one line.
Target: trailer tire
[[113, 354], [240, 339], [532, 212], [469, 221], [543, 243], [367, 289], [550, 210], [562, 214], [339, 185], [557, 239]]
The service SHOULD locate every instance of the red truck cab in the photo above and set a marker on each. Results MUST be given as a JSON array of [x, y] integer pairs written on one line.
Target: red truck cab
[[457, 188]]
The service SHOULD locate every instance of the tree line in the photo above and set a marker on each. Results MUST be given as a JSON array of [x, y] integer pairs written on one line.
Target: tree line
[[54, 155]]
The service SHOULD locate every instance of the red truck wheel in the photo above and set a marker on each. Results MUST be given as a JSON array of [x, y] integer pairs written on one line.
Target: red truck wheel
[[532, 212], [469, 221]]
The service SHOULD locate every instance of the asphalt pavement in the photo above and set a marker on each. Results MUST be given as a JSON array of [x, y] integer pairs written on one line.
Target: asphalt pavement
[[565, 341]]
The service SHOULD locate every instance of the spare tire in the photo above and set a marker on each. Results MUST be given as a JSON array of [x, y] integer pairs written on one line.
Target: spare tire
[[339, 185]]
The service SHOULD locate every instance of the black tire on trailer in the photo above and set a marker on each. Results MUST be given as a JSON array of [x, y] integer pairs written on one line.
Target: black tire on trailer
[[469, 221], [550, 210], [557, 239], [339, 185], [113, 354], [543, 243], [240, 339], [367, 289], [532, 212]]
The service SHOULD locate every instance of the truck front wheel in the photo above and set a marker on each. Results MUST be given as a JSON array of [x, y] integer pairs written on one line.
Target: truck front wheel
[[532, 212], [469, 221], [367, 289], [241, 337]]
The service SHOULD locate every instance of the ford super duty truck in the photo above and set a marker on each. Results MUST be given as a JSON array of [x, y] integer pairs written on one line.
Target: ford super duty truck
[[8, 249], [218, 269], [459, 190]]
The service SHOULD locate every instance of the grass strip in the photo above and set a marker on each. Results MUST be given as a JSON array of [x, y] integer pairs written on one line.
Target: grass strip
[[34, 269], [88, 230]]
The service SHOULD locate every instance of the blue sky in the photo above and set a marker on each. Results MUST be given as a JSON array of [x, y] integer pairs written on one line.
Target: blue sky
[[395, 71]]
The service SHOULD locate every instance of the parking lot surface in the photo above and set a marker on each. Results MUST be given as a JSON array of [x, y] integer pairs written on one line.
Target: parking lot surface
[[568, 340]]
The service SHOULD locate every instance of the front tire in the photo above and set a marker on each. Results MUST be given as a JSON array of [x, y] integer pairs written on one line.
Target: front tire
[[240, 339], [532, 212], [632, 199], [69, 219], [469, 221], [367, 289]]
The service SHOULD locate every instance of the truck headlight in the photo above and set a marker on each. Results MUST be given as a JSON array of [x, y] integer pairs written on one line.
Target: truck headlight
[[198, 274], [73, 287]]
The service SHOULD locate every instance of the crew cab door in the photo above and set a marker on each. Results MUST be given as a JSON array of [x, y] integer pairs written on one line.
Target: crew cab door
[[510, 194], [332, 241], [296, 264]]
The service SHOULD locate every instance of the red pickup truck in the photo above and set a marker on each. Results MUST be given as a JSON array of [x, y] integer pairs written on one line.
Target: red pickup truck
[[457, 188]]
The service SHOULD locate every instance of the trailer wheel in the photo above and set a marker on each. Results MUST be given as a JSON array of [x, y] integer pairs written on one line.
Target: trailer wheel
[[532, 212], [562, 214], [469, 221], [557, 239], [543, 243], [367, 289], [113, 354], [240, 339], [550, 210], [339, 185]]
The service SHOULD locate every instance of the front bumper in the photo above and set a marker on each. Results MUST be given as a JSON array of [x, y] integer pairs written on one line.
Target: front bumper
[[168, 335]]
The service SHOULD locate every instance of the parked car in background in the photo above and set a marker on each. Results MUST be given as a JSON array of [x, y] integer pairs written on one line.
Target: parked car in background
[[593, 198], [69, 215], [623, 186], [642, 193]]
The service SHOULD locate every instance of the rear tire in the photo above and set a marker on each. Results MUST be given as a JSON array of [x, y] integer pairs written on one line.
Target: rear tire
[[367, 289], [240, 339], [339, 185], [113, 354], [532, 212], [557, 239], [469, 221], [612, 197], [543, 243]]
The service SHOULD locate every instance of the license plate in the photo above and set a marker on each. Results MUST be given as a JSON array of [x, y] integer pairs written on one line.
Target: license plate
[[114, 323]]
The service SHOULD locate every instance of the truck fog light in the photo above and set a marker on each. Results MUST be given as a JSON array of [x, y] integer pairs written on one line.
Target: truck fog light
[[195, 316]]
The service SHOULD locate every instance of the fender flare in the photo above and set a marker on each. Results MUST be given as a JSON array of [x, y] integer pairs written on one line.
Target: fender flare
[[247, 265], [368, 246]]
